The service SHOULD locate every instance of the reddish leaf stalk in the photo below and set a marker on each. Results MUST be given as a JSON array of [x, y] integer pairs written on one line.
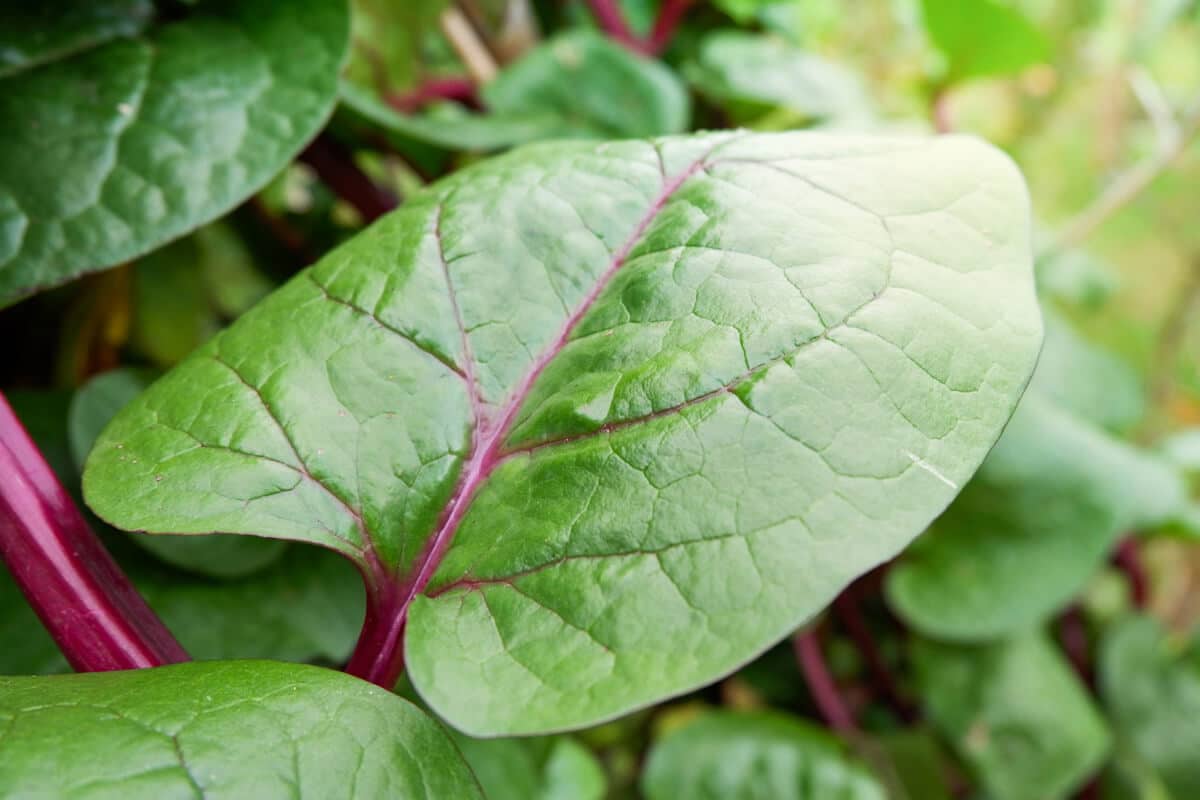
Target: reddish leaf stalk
[[670, 14], [1128, 559], [90, 608], [459, 90], [379, 654], [335, 166], [1073, 633], [807, 646], [610, 19], [850, 616]]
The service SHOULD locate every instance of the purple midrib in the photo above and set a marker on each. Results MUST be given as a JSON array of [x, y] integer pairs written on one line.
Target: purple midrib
[[488, 442]]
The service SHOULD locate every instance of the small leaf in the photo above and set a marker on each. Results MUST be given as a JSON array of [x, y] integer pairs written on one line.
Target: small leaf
[[982, 38], [1016, 713], [557, 768], [614, 417], [596, 87], [728, 756], [257, 729], [1151, 687], [111, 151], [765, 72]]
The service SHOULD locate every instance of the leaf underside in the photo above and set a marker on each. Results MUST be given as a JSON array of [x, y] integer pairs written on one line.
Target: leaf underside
[[112, 150], [257, 729], [610, 419]]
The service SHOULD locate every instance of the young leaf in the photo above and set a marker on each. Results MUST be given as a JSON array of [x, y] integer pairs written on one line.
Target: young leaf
[[1151, 686], [557, 768], [601, 422], [110, 151], [982, 38], [731, 756], [596, 87], [257, 729], [1046, 508], [1016, 713]]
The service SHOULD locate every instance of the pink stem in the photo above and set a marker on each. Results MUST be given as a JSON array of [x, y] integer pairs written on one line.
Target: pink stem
[[335, 166], [609, 17], [460, 90], [87, 604], [670, 14], [825, 694], [1128, 559]]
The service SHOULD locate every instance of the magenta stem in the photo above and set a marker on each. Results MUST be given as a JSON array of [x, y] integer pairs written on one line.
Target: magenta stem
[[610, 19], [850, 616], [379, 654], [460, 90], [90, 608], [334, 165], [670, 14], [1073, 633], [807, 646], [1128, 558]]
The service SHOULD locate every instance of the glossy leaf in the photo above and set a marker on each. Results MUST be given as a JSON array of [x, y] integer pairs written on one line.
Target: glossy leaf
[[220, 555], [1151, 686], [557, 768], [223, 729], [596, 87], [981, 38], [679, 395], [111, 151], [764, 72], [1016, 713], [34, 33], [1046, 508], [754, 756]]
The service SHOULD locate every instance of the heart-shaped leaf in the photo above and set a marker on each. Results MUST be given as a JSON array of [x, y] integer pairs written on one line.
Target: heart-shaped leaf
[[1016, 713], [257, 729], [109, 151], [728, 756], [601, 422]]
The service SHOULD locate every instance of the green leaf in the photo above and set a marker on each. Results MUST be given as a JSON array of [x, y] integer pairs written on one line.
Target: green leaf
[[731, 756], [557, 768], [918, 763], [596, 87], [223, 729], [765, 72], [982, 38], [1040, 518], [1016, 713], [307, 606], [680, 394], [1151, 687], [112, 151], [220, 556], [34, 33]]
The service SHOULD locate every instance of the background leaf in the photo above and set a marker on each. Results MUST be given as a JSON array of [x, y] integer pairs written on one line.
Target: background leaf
[[981, 38]]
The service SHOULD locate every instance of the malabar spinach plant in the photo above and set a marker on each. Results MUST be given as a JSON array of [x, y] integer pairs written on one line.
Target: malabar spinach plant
[[593, 366]]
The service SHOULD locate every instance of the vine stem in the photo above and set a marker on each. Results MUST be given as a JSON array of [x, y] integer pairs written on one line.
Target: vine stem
[[610, 19], [850, 616], [460, 90], [90, 608], [807, 646], [335, 166]]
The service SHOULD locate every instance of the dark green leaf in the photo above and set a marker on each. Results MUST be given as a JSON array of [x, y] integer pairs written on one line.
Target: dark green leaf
[[256, 729], [1016, 713], [981, 38], [114, 150], [34, 33], [556, 768], [754, 756], [1151, 685], [684, 390]]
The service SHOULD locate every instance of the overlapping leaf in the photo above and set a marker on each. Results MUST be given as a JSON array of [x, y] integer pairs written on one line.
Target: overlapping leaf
[[111, 150], [222, 729], [612, 418]]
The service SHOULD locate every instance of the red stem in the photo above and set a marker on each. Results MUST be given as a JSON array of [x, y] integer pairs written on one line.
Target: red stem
[[610, 19], [1128, 559], [848, 613], [460, 90], [87, 604], [824, 690], [670, 13], [335, 166], [1073, 633]]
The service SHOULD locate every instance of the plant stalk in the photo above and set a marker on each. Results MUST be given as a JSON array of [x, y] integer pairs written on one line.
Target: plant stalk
[[1128, 559], [335, 166], [90, 608], [807, 646], [670, 14]]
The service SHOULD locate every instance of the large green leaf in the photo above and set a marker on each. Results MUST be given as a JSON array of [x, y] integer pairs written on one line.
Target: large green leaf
[[34, 33], [1016, 713], [765, 72], [1151, 686], [679, 394], [981, 38], [1046, 508], [596, 87], [754, 756], [111, 151], [257, 729]]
